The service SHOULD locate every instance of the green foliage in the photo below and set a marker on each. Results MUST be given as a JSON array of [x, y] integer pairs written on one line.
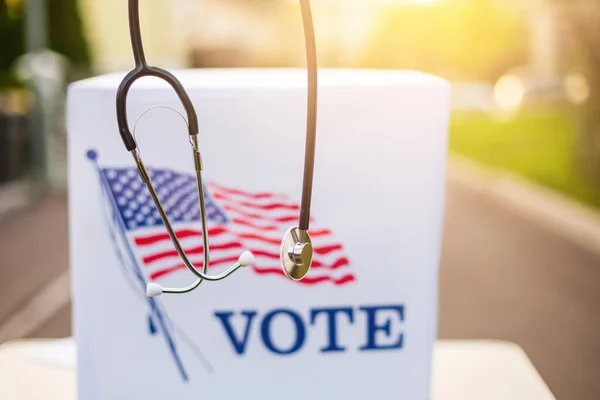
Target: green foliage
[[457, 39], [12, 39], [66, 32], [65, 35], [537, 145]]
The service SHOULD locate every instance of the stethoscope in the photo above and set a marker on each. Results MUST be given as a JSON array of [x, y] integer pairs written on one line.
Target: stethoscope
[[296, 250]]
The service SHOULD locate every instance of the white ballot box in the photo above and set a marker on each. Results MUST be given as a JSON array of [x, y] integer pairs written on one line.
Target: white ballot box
[[361, 325]]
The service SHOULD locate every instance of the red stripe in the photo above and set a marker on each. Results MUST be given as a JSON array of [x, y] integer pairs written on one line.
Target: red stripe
[[182, 234], [281, 219], [309, 280], [277, 241], [288, 219], [318, 250], [327, 249], [251, 236], [165, 271], [268, 206], [342, 262], [194, 250], [255, 226], [262, 253], [247, 194], [319, 232]]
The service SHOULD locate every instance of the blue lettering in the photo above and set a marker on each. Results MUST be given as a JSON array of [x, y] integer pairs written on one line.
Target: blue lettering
[[266, 331], [373, 328], [381, 323], [331, 324], [238, 345]]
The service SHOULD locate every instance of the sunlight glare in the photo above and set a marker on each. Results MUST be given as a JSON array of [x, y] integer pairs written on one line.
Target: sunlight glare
[[509, 92], [411, 2], [577, 88]]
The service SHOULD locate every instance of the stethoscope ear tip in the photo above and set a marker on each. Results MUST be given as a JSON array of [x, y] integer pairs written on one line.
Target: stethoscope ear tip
[[153, 289], [246, 259]]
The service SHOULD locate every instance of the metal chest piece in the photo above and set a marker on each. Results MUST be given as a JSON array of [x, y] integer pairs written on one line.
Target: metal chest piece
[[296, 253]]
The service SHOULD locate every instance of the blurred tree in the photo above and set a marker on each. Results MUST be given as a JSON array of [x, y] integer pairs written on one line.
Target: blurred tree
[[457, 39], [580, 20], [65, 36], [12, 39]]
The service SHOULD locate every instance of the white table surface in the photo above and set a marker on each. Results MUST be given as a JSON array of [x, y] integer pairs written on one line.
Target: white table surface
[[463, 370]]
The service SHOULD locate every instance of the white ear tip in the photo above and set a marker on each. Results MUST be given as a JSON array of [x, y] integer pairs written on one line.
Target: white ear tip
[[246, 259], [153, 289]]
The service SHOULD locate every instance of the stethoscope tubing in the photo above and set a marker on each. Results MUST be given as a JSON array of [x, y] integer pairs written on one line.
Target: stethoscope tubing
[[143, 69]]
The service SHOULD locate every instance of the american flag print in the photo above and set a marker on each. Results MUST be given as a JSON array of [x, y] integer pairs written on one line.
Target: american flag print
[[236, 221]]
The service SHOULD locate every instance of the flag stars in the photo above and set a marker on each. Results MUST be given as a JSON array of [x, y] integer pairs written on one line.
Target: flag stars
[[171, 203], [179, 195]]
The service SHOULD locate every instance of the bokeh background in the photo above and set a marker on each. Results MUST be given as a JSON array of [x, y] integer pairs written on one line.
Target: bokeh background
[[526, 103]]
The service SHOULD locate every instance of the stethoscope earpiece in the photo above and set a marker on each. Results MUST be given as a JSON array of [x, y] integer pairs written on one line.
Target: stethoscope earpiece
[[296, 245]]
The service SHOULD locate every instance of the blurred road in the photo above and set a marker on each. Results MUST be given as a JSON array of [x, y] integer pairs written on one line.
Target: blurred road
[[502, 277]]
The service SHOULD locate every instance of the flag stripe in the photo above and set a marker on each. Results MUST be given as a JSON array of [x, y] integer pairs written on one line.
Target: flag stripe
[[182, 234], [161, 272], [308, 280], [237, 220], [262, 207], [194, 250], [245, 194], [214, 248], [242, 221], [261, 217]]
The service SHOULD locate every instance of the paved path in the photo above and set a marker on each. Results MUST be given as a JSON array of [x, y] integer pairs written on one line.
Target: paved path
[[33, 252], [502, 277]]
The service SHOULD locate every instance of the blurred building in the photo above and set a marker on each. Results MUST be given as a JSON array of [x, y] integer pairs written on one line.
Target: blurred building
[[106, 23], [179, 33]]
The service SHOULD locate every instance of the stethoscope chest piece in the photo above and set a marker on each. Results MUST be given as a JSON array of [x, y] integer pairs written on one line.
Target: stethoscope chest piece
[[296, 253]]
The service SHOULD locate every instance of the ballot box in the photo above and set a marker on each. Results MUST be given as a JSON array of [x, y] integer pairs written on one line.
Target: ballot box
[[362, 324]]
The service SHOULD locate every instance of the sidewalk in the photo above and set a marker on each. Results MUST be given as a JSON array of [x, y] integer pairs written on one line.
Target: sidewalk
[[553, 211], [13, 197], [33, 255]]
